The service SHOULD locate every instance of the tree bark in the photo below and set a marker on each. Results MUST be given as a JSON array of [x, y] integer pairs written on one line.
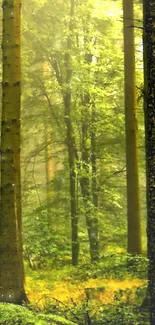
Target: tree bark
[[133, 201], [149, 111], [11, 262]]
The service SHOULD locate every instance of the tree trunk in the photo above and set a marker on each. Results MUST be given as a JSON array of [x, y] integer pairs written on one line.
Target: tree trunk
[[133, 202], [71, 143], [72, 170], [94, 179], [93, 159], [88, 178], [64, 80], [11, 263], [149, 110], [85, 182], [50, 170]]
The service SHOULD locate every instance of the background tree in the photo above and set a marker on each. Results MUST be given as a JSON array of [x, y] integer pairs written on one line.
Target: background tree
[[131, 127], [102, 80], [105, 97]]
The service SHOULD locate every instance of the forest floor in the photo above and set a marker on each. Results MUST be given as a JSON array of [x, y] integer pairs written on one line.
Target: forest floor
[[45, 286], [92, 293]]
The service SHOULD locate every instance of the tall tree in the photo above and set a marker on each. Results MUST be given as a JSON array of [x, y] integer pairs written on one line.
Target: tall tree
[[149, 111], [70, 139], [11, 263], [133, 200], [88, 160]]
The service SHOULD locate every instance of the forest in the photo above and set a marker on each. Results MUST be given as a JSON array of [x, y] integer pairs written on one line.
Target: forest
[[77, 162]]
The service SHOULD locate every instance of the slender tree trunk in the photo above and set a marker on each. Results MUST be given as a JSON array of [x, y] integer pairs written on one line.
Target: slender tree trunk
[[11, 263], [94, 159], [71, 143], [94, 179], [72, 170], [133, 201], [85, 181], [149, 111], [64, 80], [50, 170]]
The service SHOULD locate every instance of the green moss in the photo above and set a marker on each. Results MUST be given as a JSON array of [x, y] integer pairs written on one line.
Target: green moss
[[18, 315]]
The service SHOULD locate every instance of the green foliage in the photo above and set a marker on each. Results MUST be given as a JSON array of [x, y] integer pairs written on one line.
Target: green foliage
[[138, 265], [121, 311], [124, 306], [57, 319], [103, 80], [18, 315], [98, 32], [118, 266], [121, 314]]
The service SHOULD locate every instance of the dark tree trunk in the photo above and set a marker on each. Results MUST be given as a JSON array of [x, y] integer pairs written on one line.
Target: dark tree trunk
[[72, 170], [149, 110]]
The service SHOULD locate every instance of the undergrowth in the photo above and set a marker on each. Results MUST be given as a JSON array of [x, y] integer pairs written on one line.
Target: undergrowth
[[109, 292]]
